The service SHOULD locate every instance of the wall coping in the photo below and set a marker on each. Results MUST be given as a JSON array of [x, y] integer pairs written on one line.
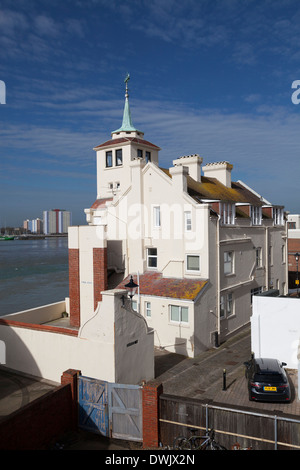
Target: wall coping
[[45, 328]]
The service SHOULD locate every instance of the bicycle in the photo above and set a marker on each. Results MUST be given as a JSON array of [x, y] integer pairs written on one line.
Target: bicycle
[[195, 442]]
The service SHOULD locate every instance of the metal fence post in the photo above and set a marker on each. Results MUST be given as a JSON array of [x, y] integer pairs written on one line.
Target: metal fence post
[[275, 432]]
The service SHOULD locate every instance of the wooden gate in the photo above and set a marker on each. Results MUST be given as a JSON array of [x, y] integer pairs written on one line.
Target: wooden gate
[[125, 411], [109, 409], [93, 405]]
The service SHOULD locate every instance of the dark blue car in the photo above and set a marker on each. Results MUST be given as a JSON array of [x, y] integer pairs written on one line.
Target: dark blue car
[[267, 380]]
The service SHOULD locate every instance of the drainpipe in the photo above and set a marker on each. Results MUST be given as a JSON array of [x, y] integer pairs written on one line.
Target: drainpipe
[[267, 258], [218, 277]]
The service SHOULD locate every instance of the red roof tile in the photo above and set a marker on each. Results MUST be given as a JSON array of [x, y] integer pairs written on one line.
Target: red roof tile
[[122, 140], [153, 283], [100, 203]]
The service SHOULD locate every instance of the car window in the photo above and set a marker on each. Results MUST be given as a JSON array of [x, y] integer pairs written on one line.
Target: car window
[[274, 378]]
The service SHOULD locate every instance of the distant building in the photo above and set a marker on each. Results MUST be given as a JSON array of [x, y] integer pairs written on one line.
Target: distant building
[[56, 221], [33, 226], [294, 249]]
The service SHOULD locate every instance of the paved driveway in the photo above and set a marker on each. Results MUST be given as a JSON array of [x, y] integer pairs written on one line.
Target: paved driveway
[[202, 377]]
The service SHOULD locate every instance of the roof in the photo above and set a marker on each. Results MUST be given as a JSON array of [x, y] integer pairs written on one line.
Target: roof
[[266, 365], [123, 140], [100, 203], [153, 283], [212, 189]]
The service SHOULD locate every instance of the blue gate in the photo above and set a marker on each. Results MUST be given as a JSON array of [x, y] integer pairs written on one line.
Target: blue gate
[[93, 405], [112, 410]]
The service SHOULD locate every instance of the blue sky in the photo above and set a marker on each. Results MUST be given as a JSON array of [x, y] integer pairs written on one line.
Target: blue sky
[[207, 77]]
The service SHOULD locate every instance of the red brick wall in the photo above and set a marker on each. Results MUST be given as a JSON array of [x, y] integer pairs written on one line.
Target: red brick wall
[[74, 287], [37, 424], [100, 273], [293, 247], [151, 392]]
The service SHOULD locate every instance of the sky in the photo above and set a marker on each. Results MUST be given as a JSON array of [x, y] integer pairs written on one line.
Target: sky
[[213, 78]]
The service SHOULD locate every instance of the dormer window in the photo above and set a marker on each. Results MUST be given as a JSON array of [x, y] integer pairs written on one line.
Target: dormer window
[[256, 215], [227, 213], [278, 216], [119, 157]]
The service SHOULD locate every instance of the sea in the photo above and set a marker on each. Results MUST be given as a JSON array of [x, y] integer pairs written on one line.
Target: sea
[[33, 273]]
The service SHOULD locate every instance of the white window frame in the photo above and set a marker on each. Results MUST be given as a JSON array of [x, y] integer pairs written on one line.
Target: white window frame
[[278, 216], [180, 314], [147, 309], [256, 215], [151, 256], [227, 213], [187, 221], [156, 217], [186, 263], [258, 257], [226, 305], [228, 261]]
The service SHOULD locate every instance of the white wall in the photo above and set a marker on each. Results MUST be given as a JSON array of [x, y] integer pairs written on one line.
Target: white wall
[[275, 328], [40, 315], [100, 351]]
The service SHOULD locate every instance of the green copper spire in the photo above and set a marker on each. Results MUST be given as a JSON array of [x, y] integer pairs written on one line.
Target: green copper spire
[[127, 125]]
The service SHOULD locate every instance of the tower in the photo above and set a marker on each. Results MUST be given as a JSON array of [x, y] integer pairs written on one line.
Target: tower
[[114, 156]]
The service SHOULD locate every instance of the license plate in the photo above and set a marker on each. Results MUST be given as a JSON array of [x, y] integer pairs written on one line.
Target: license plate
[[270, 389]]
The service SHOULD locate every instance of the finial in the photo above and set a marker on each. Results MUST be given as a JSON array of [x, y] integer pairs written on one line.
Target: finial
[[126, 81]]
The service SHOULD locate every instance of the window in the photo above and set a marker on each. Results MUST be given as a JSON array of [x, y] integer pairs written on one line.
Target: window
[[148, 156], [148, 309], [119, 158], [228, 262], [156, 216], [140, 153], [256, 215], [188, 221], [258, 257], [193, 263], [152, 257], [134, 305], [226, 305], [227, 212], [256, 291], [278, 215], [109, 159], [179, 314]]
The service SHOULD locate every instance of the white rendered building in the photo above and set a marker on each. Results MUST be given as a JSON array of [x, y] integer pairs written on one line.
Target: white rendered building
[[198, 244]]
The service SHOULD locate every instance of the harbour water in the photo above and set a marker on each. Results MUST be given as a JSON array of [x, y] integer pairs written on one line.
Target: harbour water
[[33, 273]]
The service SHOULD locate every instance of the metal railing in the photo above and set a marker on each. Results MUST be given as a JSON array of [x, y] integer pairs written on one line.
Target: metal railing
[[244, 436]]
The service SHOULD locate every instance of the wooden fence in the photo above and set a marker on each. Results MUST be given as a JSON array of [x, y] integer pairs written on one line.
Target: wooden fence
[[232, 425]]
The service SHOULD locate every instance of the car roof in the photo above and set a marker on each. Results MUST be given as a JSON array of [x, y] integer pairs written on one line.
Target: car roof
[[266, 365]]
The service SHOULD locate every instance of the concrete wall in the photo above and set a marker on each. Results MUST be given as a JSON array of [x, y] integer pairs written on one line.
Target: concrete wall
[[275, 328]]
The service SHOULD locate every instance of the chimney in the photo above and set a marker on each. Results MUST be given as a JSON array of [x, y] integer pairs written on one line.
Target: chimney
[[179, 174], [193, 163], [219, 170]]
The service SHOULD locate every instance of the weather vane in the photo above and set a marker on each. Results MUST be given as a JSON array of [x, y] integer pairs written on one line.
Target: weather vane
[[126, 81]]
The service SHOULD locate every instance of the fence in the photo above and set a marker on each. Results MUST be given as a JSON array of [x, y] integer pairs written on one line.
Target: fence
[[248, 429]]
